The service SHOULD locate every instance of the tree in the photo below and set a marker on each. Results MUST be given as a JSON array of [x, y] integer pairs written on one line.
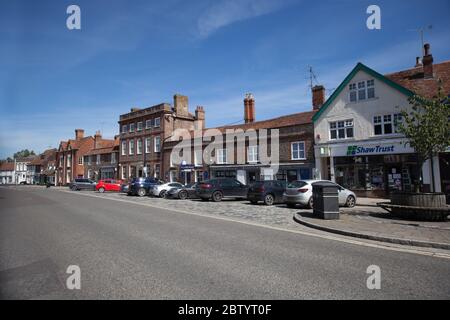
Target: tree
[[427, 127], [24, 153]]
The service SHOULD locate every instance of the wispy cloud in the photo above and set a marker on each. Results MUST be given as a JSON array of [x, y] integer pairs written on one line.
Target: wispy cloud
[[226, 12]]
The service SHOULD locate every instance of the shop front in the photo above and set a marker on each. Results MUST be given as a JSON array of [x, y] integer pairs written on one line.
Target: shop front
[[371, 169], [248, 174]]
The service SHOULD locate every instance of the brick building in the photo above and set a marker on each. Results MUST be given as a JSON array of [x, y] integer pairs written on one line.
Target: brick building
[[70, 157], [102, 161], [143, 133], [296, 151]]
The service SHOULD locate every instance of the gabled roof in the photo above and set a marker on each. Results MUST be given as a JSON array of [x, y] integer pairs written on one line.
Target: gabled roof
[[343, 85], [7, 166]]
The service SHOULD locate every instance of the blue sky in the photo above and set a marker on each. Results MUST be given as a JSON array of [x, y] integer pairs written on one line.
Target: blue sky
[[140, 53]]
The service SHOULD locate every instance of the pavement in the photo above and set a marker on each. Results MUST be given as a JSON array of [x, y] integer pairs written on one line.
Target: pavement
[[132, 249]]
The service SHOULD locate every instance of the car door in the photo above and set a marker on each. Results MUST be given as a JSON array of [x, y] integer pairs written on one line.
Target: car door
[[342, 195], [279, 187], [239, 189], [226, 187]]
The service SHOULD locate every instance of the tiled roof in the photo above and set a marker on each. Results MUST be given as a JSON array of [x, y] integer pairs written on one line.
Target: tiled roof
[[279, 122], [106, 146], [413, 79], [7, 166]]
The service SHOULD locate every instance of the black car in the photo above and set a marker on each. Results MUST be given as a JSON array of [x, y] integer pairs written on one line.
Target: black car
[[186, 192], [217, 189], [141, 186], [269, 192], [82, 184]]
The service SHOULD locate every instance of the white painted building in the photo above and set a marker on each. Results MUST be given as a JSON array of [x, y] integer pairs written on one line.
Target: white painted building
[[7, 173], [22, 171], [356, 140]]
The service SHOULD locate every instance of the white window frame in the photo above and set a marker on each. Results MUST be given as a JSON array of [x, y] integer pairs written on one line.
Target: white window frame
[[361, 86], [346, 125], [98, 159], [80, 160], [131, 147], [394, 126], [198, 162], [124, 128], [148, 145], [139, 146], [132, 127], [124, 148], [157, 144], [293, 157], [221, 156], [148, 124], [157, 122], [139, 126], [252, 155]]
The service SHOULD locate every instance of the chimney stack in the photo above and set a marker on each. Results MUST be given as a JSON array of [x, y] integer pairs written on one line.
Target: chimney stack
[[249, 108], [318, 97], [199, 118], [134, 109], [181, 105], [79, 134], [427, 62], [97, 139]]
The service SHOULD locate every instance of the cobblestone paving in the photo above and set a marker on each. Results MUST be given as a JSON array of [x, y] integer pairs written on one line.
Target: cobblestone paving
[[277, 215]]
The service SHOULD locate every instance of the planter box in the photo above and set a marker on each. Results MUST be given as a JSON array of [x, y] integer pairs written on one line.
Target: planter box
[[426, 200]]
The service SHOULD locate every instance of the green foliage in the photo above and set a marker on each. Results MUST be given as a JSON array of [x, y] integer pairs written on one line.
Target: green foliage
[[427, 125], [23, 153]]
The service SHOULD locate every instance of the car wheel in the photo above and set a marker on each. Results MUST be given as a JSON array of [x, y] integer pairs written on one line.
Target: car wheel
[[162, 193], [182, 195], [141, 192], [351, 202], [217, 196], [101, 190], [269, 200], [310, 203]]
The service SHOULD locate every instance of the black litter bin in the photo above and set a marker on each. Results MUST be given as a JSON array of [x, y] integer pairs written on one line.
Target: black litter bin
[[325, 200]]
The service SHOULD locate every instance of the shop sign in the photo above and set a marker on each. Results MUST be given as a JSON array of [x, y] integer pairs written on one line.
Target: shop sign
[[356, 150]]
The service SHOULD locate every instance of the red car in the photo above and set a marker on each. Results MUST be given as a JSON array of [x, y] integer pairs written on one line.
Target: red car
[[108, 185]]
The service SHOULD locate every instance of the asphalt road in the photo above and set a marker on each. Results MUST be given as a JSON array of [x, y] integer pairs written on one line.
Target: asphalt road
[[130, 251]]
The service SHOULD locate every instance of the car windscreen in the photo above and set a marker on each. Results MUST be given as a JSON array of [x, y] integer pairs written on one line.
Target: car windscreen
[[296, 184]]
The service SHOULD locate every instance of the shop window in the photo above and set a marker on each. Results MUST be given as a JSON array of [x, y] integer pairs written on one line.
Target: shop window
[[341, 129]]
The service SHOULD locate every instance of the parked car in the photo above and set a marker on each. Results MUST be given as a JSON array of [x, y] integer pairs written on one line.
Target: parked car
[[82, 184], [108, 185], [269, 192], [23, 182], [185, 192], [217, 189], [300, 192], [141, 186], [161, 189], [124, 187]]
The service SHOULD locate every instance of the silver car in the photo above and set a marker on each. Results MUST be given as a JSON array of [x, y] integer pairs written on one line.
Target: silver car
[[300, 192], [161, 189]]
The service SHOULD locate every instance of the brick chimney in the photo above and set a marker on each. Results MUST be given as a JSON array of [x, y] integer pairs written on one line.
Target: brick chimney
[[427, 62], [181, 105], [249, 108], [97, 139], [318, 97], [79, 134], [134, 109], [199, 118]]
